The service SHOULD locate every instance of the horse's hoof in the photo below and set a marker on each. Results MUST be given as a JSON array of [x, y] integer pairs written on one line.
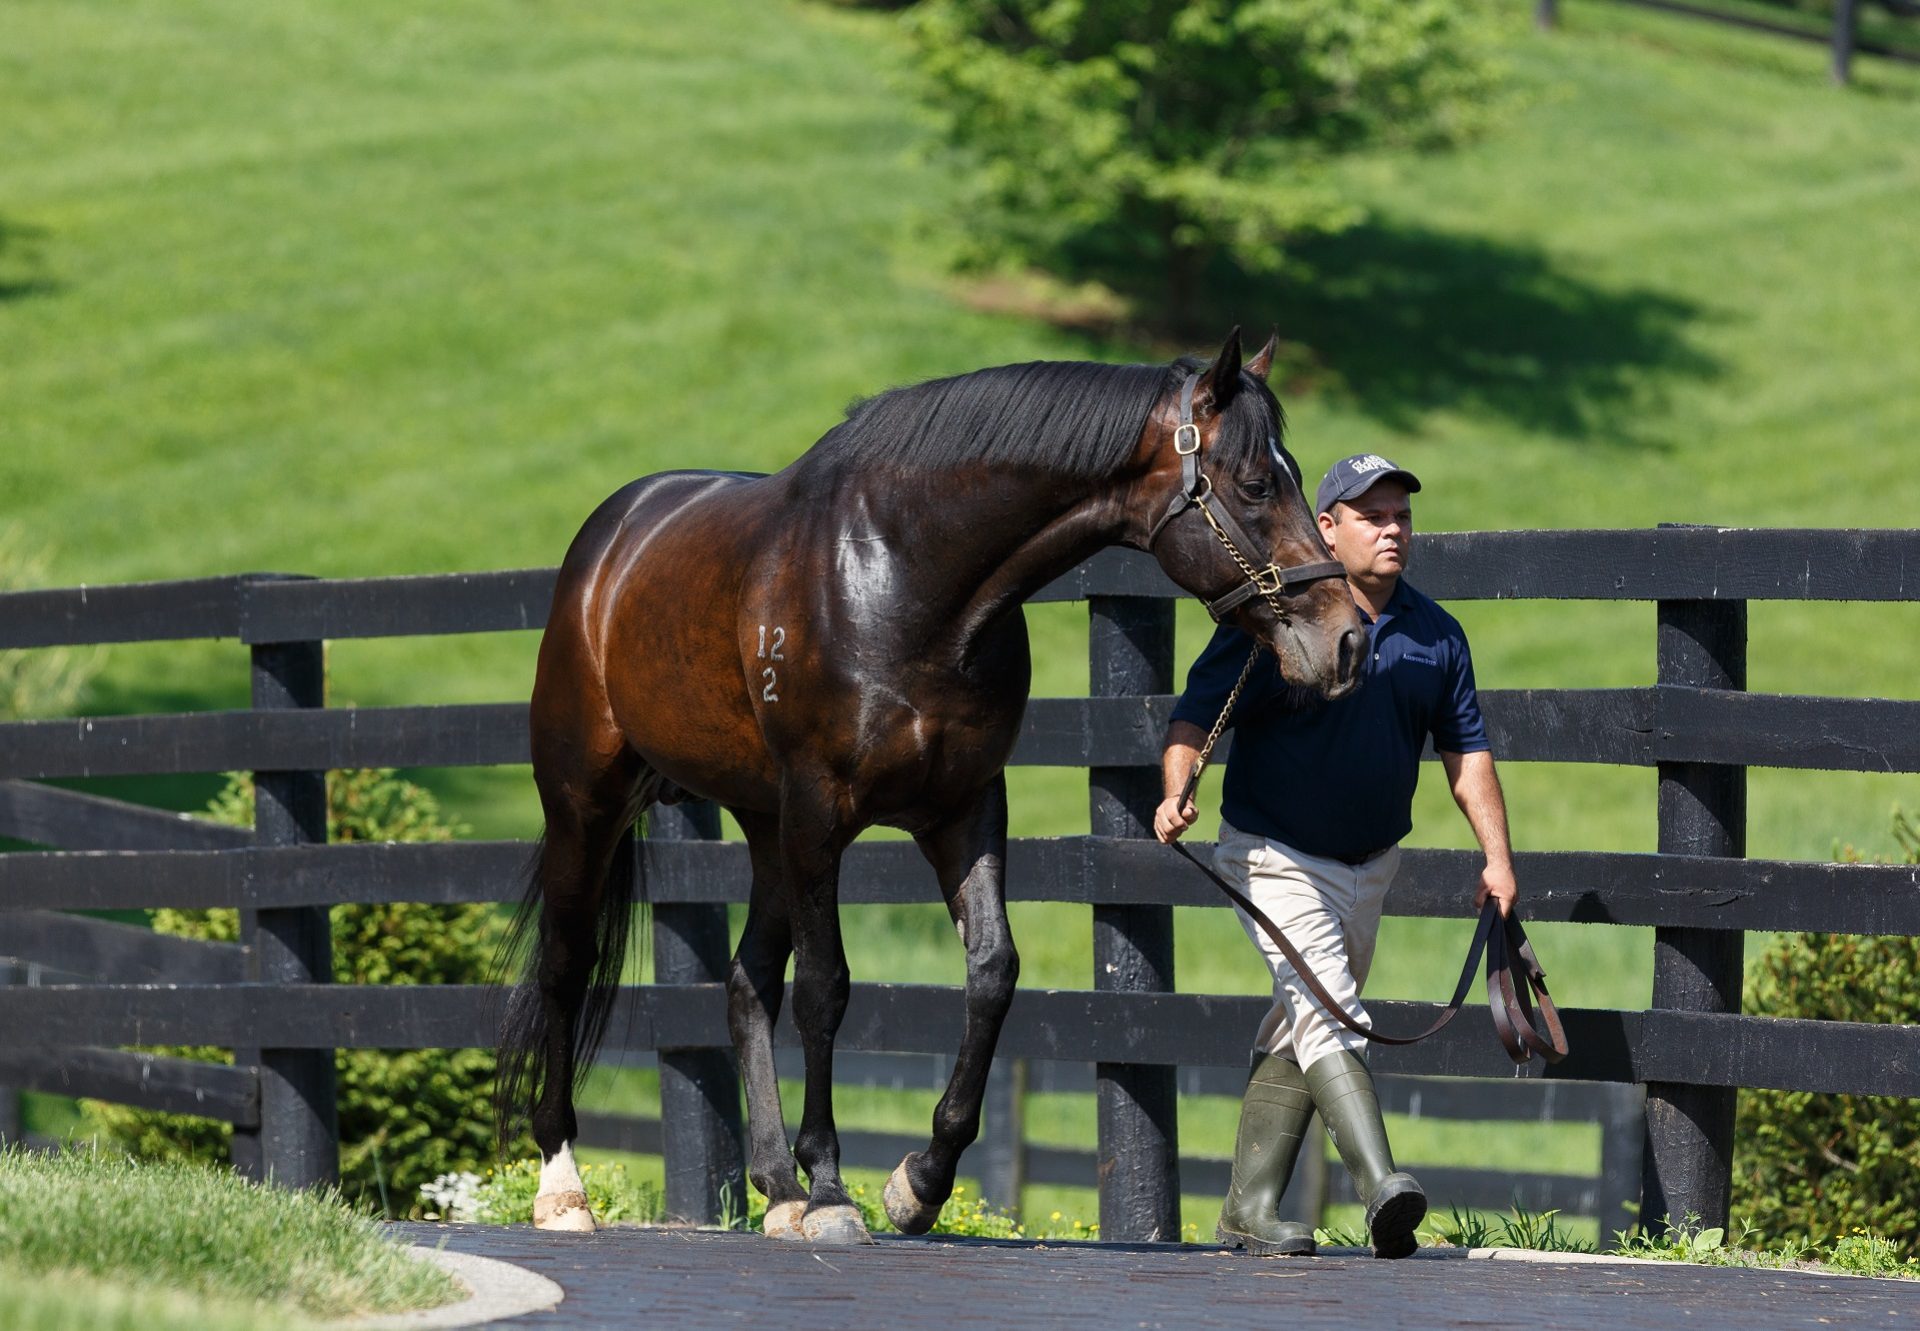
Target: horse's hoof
[[909, 1214], [563, 1213], [839, 1225], [783, 1220]]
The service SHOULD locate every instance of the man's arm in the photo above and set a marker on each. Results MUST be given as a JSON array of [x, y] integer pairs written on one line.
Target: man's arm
[[1476, 789], [1176, 764]]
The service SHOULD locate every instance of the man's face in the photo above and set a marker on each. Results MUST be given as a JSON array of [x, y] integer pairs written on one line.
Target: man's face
[[1369, 534]]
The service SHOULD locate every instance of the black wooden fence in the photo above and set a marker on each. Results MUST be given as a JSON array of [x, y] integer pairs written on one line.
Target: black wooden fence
[[1696, 728], [1842, 36]]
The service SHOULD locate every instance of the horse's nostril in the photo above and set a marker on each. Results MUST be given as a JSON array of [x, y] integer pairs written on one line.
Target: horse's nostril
[[1353, 644]]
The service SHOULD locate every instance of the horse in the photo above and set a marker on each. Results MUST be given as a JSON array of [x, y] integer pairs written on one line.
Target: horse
[[841, 644]]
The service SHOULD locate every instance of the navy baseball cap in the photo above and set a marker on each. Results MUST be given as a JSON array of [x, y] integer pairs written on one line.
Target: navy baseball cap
[[1351, 477]]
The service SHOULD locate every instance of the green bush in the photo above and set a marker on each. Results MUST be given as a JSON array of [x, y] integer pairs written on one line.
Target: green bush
[[1829, 1166], [406, 1115]]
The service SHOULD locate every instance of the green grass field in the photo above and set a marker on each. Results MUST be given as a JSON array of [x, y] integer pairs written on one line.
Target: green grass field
[[347, 291]]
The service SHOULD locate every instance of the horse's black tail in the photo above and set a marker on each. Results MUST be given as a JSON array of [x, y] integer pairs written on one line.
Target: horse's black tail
[[523, 1068]]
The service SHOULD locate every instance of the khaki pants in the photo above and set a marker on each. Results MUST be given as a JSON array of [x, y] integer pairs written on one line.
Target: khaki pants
[[1330, 912]]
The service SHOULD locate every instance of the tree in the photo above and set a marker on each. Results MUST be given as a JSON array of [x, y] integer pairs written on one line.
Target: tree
[[1131, 137]]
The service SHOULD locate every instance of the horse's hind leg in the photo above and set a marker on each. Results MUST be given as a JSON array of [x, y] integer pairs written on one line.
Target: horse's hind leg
[[754, 991], [586, 828], [969, 854], [812, 838]]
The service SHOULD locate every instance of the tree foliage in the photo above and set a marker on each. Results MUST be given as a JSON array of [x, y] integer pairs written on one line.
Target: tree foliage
[[1147, 135], [1824, 1166], [406, 1115]]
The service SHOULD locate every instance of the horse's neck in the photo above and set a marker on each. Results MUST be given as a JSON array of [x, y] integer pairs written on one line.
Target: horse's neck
[[984, 546]]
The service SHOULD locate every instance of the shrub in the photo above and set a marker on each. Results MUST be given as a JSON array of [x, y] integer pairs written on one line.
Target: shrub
[[407, 1115], [1827, 1166]]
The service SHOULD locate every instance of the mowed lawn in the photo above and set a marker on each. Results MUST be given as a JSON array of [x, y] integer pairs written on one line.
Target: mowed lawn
[[351, 290]]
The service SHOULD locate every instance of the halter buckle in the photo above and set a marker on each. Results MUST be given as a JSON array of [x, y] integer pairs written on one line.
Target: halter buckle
[[1184, 433], [1270, 581]]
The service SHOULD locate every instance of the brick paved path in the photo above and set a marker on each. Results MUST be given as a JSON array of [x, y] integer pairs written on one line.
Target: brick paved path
[[684, 1280]]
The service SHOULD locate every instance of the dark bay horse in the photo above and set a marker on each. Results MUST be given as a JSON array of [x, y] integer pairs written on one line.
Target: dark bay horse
[[840, 645]]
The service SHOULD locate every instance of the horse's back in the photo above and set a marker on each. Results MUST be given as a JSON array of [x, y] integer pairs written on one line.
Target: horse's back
[[643, 629]]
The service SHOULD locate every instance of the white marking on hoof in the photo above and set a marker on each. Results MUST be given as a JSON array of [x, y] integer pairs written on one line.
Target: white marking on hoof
[[837, 1225], [783, 1220], [563, 1213], [909, 1214], [561, 1204]]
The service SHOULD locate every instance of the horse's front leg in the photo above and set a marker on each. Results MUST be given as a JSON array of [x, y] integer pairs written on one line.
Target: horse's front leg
[[811, 842], [969, 854]]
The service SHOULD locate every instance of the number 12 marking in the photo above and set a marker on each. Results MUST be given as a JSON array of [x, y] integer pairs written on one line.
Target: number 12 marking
[[771, 653]]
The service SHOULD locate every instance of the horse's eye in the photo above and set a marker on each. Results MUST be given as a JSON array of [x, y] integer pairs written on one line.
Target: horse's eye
[[1257, 488]]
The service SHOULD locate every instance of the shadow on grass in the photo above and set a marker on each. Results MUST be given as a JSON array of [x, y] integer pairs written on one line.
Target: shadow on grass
[[1401, 321], [22, 265]]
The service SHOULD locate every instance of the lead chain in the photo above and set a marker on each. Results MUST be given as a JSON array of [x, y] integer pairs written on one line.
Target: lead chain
[[1219, 725]]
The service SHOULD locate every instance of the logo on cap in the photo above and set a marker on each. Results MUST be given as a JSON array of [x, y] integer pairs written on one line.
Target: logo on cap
[[1371, 462]]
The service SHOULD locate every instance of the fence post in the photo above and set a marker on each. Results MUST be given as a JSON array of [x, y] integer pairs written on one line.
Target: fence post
[[1688, 1166], [1846, 18], [1130, 652], [700, 1133], [299, 1143], [1003, 1145]]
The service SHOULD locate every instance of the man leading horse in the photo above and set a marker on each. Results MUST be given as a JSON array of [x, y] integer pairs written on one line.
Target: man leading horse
[[1317, 797]]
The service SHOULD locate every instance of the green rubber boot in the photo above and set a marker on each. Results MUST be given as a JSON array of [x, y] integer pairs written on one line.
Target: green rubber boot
[[1396, 1204], [1273, 1118]]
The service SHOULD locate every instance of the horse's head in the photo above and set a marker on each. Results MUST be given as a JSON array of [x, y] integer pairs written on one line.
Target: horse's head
[[1222, 508]]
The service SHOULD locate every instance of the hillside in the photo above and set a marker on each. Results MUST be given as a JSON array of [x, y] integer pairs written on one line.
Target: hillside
[[351, 291]]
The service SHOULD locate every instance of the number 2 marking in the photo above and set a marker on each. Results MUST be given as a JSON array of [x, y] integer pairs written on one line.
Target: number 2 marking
[[773, 653]]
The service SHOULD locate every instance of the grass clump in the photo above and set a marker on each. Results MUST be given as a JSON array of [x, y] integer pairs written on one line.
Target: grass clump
[[1464, 1227], [205, 1233], [1860, 1252]]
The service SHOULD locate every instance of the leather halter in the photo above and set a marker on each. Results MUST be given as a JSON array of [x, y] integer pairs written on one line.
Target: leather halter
[[1196, 492]]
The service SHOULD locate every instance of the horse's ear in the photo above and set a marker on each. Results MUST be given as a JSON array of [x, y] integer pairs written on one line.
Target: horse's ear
[[1262, 361], [1221, 380]]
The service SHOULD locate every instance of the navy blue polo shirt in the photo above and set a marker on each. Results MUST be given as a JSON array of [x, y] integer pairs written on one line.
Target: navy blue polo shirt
[[1336, 779]]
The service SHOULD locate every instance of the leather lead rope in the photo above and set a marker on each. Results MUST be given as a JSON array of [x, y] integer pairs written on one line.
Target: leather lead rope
[[1502, 939]]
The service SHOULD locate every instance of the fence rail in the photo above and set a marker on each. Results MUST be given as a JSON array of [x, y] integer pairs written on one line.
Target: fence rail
[[1696, 726]]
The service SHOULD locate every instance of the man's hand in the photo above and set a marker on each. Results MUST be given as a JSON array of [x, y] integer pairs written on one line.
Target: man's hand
[[1497, 883], [1173, 818]]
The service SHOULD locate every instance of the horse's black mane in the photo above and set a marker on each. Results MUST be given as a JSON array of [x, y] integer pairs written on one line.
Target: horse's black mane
[[1073, 418]]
